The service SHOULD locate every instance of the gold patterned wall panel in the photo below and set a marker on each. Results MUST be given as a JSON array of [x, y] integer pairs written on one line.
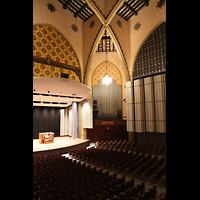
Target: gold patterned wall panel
[[108, 68], [49, 43], [41, 70]]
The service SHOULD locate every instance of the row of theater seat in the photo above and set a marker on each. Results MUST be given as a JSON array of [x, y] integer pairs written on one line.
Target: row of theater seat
[[132, 146], [57, 177], [140, 165]]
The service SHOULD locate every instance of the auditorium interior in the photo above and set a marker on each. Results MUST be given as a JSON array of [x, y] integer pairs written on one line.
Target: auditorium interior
[[99, 99]]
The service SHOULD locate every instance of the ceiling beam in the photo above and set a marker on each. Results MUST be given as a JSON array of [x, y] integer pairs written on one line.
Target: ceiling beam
[[82, 7], [113, 12], [78, 8], [130, 8], [96, 11]]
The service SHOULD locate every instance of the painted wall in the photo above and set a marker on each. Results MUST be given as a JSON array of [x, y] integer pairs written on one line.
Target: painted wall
[[62, 20], [123, 35], [89, 35]]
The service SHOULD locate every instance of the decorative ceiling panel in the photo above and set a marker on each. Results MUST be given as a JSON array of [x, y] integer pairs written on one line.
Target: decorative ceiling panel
[[78, 7], [49, 43], [131, 7]]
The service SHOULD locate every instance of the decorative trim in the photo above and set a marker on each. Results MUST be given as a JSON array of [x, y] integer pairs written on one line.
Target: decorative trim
[[120, 51], [111, 10], [105, 19], [114, 10], [92, 51], [96, 10]]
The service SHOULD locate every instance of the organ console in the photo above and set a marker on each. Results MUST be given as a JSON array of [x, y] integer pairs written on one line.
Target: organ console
[[46, 137]]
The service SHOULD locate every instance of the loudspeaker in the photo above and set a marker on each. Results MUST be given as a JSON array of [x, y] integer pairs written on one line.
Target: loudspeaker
[[63, 75]]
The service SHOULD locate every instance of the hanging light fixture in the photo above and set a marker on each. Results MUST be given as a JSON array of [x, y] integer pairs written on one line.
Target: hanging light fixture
[[106, 79]]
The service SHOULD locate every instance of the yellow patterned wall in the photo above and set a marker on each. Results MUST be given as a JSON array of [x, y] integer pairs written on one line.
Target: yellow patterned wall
[[49, 43], [41, 70], [108, 68]]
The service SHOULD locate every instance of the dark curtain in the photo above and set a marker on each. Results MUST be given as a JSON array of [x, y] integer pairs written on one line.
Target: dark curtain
[[46, 119]]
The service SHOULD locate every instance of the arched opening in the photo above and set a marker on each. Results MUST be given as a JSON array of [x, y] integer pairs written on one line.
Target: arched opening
[[53, 54], [151, 57], [107, 97]]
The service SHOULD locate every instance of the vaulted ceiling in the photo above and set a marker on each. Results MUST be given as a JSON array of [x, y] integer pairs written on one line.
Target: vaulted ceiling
[[81, 9], [108, 35]]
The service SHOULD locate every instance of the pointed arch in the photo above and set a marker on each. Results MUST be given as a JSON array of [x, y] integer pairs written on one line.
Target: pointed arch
[[119, 50], [50, 43], [114, 72], [91, 54], [139, 48]]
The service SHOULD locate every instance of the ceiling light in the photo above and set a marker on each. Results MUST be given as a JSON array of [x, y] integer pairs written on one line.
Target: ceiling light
[[107, 79]]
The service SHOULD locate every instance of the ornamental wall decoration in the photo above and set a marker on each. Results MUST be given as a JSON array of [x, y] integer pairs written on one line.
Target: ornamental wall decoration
[[51, 7], [92, 23], [74, 28], [119, 23], [137, 26], [160, 4]]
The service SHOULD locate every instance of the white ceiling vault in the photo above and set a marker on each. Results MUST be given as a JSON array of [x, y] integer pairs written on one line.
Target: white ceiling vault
[[58, 92]]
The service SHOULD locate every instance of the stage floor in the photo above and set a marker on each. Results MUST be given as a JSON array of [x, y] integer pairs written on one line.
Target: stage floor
[[60, 145]]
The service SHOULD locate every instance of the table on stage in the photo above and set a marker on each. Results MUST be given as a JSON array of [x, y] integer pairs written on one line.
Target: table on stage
[[46, 137]]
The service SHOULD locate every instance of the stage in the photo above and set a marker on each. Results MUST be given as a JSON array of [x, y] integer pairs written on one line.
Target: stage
[[60, 145]]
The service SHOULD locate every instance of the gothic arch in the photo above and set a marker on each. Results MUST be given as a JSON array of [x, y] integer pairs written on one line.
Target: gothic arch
[[49, 43], [93, 51], [112, 70], [151, 55]]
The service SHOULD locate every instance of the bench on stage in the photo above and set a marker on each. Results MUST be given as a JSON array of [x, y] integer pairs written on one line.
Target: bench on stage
[[46, 137]]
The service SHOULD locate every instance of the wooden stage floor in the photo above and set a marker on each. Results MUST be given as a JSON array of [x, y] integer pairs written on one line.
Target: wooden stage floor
[[60, 145]]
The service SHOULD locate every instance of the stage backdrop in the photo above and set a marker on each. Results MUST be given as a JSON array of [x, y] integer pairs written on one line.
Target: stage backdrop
[[46, 119]]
